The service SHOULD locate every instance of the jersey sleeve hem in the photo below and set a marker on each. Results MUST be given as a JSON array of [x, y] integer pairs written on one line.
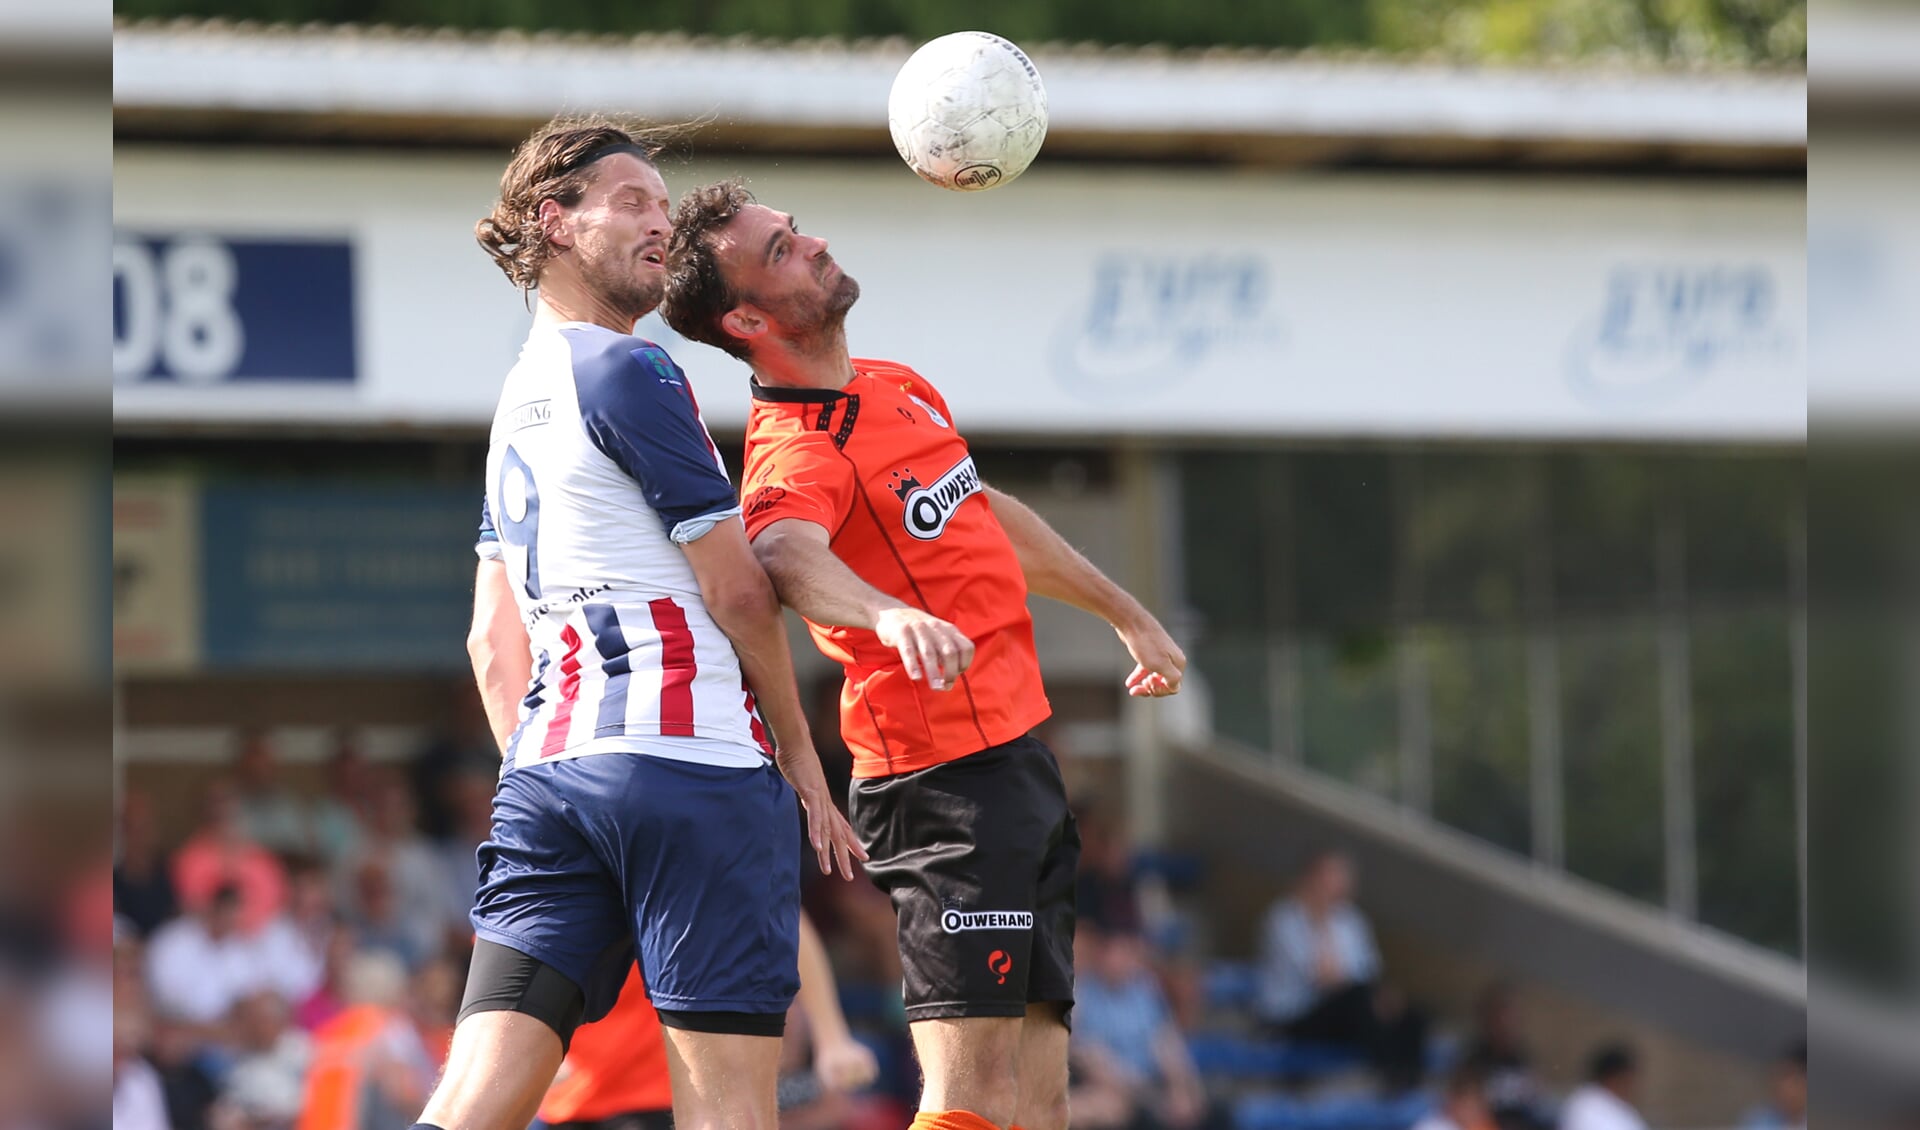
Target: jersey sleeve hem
[[693, 529]]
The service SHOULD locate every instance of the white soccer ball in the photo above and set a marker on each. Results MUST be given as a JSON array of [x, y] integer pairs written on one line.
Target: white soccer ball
[[968, 111]]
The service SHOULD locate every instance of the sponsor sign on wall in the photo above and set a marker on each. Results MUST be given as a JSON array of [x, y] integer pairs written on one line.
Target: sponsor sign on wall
[[1079, 302]]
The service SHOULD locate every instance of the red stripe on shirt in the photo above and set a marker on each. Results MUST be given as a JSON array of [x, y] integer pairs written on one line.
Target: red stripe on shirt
[[556, 739], [753, 718], [677, 668]]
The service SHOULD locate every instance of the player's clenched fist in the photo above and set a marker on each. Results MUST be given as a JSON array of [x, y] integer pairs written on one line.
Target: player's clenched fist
[[1159, 663], [930, 648]]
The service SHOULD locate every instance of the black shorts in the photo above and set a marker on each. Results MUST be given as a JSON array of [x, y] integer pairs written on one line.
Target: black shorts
[[978, 856]]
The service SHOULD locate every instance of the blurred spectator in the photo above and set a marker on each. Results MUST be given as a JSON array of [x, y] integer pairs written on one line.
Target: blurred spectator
[[189, 1087], [264, 1087], [272, 816], [1320, 976], [74, 1019], [434, 1002], [1606, 1101], [201, 964], [1786, 1107], [220, 855], [296, 941], [339, 815], [470, 793], [1131, 1053], [139, 1100], [409, 914], [463, 746], [370, 1067], [822, 1067], [1499, 1052], [1463, 1103], [330, 999], [381, 922], [142, 889], [1105, 893]]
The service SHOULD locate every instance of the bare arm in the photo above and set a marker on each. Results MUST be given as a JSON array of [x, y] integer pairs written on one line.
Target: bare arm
[[497, 645], [799, 556], [1177, 1070], [741, 601], [1055, 569], [841, 1062]]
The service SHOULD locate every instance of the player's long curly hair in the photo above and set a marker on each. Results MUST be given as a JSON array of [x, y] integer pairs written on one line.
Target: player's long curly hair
[[697, 293], [550, 165]]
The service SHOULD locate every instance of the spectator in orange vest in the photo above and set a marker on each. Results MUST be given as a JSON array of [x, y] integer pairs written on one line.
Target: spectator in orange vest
[[371, 1070]]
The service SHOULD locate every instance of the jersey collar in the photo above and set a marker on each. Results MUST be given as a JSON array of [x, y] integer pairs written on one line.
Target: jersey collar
[[797, 395]]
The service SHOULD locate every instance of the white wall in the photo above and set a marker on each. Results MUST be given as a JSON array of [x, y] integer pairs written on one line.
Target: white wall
[[1108, 301]]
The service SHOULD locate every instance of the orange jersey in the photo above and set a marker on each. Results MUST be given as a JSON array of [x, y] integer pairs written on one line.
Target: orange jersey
[[879, 465], [616, 1065]]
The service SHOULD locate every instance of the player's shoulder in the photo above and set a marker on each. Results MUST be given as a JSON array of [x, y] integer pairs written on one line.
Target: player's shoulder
[[896, 374], [886, 371], [618, 373]]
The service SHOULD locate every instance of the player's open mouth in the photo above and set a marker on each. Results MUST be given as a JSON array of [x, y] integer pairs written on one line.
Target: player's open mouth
[[656, 257]]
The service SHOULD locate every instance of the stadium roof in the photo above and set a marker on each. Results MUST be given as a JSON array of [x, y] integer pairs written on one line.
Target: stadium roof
[[327, 82]]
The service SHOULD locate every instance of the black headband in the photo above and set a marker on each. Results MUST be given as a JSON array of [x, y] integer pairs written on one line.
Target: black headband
[[632, 147]]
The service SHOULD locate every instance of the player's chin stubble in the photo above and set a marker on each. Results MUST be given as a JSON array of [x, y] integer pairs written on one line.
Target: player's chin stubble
[[637, 289]]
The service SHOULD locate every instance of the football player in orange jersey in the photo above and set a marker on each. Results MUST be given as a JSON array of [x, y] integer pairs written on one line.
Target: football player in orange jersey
[[864, 504]]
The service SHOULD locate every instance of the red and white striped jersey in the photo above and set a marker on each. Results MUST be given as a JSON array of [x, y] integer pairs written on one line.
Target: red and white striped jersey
[[598, 471]]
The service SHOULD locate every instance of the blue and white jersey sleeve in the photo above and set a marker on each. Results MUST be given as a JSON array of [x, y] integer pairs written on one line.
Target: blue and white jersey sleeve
[[487, 543], [639, 411]]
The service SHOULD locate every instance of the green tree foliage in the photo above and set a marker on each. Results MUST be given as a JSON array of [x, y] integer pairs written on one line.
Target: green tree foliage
[[1685, 31]]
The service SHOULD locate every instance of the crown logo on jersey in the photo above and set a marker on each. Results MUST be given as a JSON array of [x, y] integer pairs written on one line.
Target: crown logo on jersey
[[904, 483]]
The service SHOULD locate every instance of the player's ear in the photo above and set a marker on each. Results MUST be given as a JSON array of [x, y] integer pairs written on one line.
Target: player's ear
[[553, 223], [744, 321]]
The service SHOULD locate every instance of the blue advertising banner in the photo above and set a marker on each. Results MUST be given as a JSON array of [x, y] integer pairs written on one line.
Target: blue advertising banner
[[207, 309], [354, 577]]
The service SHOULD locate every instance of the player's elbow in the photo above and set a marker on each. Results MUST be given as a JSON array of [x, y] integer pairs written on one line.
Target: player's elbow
[[745, 599], [772, 548], [483, 651]]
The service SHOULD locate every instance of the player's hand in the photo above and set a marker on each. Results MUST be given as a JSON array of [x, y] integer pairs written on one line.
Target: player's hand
[[827, 830], [1159, 664], [845, 1065], [930, 648]]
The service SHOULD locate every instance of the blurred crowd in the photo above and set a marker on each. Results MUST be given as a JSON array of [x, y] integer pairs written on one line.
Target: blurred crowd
[[296, 960]]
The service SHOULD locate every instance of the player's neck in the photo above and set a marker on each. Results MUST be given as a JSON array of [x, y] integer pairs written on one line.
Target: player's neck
[[781, 366], [561, 303]]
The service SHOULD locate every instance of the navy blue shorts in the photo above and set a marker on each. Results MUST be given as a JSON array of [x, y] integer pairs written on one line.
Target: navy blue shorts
[[694, 869]]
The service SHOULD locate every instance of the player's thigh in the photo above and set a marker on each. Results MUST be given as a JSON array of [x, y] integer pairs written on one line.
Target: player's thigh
[[970, 1063], [959, 848], [1051, 979], [1043, 1068], [498, 1069], [712, 873], [723, 1080], [547, 893]]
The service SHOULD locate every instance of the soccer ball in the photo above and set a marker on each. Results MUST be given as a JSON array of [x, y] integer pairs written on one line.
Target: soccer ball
[[968, 112]]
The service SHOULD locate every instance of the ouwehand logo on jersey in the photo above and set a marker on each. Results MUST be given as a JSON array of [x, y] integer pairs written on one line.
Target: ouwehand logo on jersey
[[930, 508]]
